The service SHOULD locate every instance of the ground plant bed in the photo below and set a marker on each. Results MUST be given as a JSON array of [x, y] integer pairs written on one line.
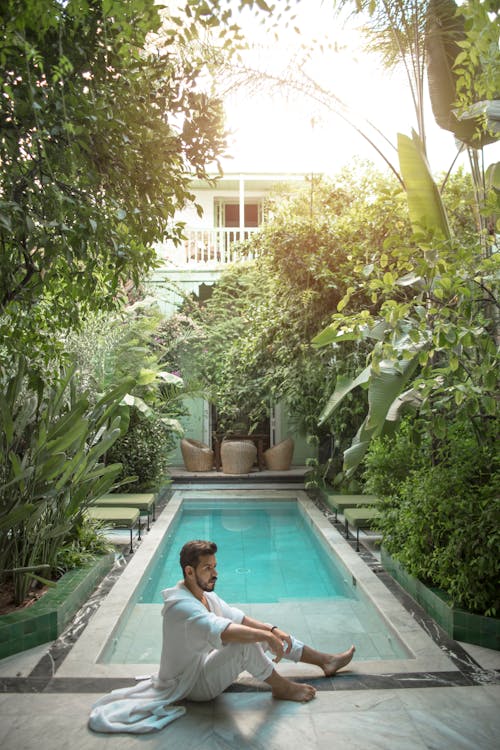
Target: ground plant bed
[[458, 623], [46, 619]]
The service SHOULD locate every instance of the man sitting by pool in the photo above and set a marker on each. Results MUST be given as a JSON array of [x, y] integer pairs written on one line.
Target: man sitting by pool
[[206, 645]]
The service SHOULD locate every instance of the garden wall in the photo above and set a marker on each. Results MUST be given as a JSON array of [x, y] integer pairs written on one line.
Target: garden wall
[[46, 619], [458, 623]]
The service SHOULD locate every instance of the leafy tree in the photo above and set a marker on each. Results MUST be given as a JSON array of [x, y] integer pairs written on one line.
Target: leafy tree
[[334, 245], [100, 135]]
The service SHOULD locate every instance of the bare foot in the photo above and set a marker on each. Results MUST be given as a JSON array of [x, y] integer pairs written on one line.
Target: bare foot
[[294, 691], [337, 661]]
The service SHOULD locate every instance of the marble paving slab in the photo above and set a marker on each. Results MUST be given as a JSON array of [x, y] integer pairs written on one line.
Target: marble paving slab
[[436, 719]]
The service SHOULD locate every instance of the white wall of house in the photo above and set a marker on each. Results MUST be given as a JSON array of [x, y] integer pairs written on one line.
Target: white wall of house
[[208, 246]]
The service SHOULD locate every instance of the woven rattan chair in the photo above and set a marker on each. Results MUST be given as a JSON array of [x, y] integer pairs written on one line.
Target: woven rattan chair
[[196, 456], [238, 456], [279, 457]]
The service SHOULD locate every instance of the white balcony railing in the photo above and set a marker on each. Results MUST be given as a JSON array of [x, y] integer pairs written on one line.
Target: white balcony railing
[[207, 247]]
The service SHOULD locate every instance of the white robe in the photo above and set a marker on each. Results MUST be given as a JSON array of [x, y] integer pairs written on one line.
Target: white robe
[[190, 633]]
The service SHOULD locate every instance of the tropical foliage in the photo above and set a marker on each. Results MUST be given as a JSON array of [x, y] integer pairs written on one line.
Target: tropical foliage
[[112, 347], [440, 512], [439, 338], [52, 445], [105, 116], [253, 335]]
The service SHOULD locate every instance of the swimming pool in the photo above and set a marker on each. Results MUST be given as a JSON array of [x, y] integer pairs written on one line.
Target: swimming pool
[[266, 553], [269, 555]]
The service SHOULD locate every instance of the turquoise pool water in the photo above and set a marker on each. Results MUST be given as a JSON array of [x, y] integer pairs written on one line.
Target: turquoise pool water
[[266, 553], [272, 563]]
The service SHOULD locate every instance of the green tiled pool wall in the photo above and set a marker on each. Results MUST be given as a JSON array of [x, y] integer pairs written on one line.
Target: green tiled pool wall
[[45, 620], [458, 623]]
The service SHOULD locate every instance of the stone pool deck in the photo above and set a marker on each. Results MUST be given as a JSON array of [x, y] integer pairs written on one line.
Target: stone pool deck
[[453, 704], [343, 716]]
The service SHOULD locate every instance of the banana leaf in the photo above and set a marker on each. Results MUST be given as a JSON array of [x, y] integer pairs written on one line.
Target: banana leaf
[[445, 28], [492, 177], [16, 464], [66, 421], [427, 212], [410, 397], [52, 467], [106, 441], [58, 394], [139, 404], [92, 486], [354, 455], [6, 421], [20, 479], [343, 386], [70, 468], [73, 438], [383, 389], [108, 404]]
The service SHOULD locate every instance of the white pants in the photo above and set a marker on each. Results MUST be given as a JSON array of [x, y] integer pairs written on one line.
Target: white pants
[[222, 667]]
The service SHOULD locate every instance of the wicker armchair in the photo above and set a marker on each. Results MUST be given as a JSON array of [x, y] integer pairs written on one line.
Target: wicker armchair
[[279, 457], [196, 456], [238, 456]]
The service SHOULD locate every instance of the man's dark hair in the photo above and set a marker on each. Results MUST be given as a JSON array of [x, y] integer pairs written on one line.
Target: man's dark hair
[[192, 551]]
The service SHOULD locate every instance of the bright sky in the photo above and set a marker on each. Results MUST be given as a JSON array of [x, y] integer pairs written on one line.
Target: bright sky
[[273, 132]]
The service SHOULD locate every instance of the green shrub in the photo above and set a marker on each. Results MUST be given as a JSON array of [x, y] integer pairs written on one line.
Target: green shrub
[[143, 451], [440, 511], [82, 545]]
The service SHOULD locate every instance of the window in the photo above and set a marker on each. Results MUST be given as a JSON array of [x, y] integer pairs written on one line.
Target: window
[[227, 213]]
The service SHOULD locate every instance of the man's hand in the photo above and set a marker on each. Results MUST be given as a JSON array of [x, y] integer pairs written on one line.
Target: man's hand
[[285, 638], [276, 645], [279, 643]]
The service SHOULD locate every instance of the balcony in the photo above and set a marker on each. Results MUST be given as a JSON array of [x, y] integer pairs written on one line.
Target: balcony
[[207, 248]]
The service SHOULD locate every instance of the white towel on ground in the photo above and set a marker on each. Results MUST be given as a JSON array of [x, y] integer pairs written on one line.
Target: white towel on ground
[[138, 709]]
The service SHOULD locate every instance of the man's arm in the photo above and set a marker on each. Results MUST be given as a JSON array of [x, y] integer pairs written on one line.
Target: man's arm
[[249, 634]]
